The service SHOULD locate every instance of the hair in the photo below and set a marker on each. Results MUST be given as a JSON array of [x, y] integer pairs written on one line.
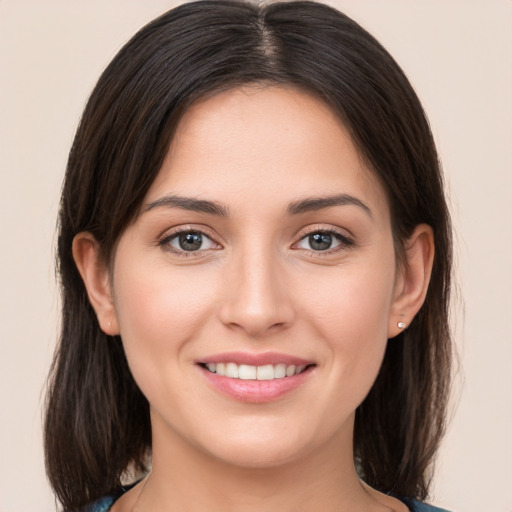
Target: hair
[[97, 420]]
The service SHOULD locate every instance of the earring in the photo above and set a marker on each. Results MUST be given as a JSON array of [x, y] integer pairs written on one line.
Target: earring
[[401, 325]]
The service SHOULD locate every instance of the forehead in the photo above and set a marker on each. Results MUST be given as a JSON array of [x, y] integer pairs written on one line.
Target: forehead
[[264, 139]]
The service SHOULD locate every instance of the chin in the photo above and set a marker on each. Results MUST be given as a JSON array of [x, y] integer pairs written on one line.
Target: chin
[[248, 456], [262, 447]]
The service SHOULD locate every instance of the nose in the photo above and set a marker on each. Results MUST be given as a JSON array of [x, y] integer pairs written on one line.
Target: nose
[[256, 298]]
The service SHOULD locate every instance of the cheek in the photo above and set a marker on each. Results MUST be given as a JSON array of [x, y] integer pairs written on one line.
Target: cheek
[[352, 321], [352, 304], [158, 313]]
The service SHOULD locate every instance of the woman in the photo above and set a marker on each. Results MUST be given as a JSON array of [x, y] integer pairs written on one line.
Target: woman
[[253, 315]]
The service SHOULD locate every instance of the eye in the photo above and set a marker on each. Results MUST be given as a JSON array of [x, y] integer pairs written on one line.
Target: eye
[[189, 241], [323, 241]]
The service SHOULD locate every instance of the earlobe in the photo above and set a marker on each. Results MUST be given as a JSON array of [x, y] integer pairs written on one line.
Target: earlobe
[[95, 275], [413, 279]]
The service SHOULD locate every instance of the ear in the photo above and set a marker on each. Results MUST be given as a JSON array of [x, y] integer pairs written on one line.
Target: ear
[[412, 280], [95, 275]]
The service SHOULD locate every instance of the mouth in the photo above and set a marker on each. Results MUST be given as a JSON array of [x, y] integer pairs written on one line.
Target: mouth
[[255, 378], [250, 372]]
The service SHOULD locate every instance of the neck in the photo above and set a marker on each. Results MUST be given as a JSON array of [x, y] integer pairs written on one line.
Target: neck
[[187, 479]]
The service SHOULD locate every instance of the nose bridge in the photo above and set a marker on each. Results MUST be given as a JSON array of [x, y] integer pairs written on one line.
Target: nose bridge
[[256, 300]]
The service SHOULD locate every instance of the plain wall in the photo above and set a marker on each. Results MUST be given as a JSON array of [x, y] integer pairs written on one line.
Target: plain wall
[[458, 56]]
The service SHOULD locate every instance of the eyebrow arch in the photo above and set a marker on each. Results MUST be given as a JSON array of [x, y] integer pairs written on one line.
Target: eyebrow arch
[[318, 203], [189, 203]]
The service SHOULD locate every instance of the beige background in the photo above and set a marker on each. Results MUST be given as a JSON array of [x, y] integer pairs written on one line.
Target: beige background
[[458, 55]]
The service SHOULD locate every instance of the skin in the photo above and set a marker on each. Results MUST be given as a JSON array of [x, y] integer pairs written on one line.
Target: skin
[[257, 285]]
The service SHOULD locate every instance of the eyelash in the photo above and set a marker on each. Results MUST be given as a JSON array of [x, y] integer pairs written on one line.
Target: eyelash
[[345, 242], [168, 238]]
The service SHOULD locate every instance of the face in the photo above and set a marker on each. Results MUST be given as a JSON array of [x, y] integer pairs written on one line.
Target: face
[[255, 290]]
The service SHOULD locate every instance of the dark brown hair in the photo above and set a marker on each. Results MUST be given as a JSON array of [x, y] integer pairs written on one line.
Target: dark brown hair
[[97, 420]]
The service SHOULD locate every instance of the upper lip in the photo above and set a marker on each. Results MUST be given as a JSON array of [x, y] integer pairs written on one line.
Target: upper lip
[[253, 359]]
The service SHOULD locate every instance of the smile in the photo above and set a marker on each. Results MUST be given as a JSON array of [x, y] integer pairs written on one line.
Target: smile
[[256, 378], [249, 372]]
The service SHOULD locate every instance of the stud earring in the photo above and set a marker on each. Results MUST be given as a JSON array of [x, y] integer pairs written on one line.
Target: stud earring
[[401, 325]]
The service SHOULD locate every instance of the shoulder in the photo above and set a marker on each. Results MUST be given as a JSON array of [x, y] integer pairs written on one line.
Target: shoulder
[[417, 506], [105, 503], [102, 505]]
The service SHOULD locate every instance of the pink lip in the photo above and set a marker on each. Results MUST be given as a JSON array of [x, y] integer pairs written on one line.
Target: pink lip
[[255, 391], [253, 359]]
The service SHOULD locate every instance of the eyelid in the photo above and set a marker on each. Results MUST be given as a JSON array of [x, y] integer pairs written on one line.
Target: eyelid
[[346, 241], [168, 235]]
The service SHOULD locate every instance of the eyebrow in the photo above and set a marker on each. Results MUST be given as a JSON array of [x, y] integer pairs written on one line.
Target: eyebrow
[[190, 203], [305, 205], [309, 204]]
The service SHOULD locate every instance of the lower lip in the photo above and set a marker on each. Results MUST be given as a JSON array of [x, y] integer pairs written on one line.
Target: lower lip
[[255, 391]]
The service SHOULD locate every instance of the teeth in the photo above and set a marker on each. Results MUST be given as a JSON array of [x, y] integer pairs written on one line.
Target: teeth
[[231, 370], [290, 370], [279, 371], [248, 372], [265, 372]]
